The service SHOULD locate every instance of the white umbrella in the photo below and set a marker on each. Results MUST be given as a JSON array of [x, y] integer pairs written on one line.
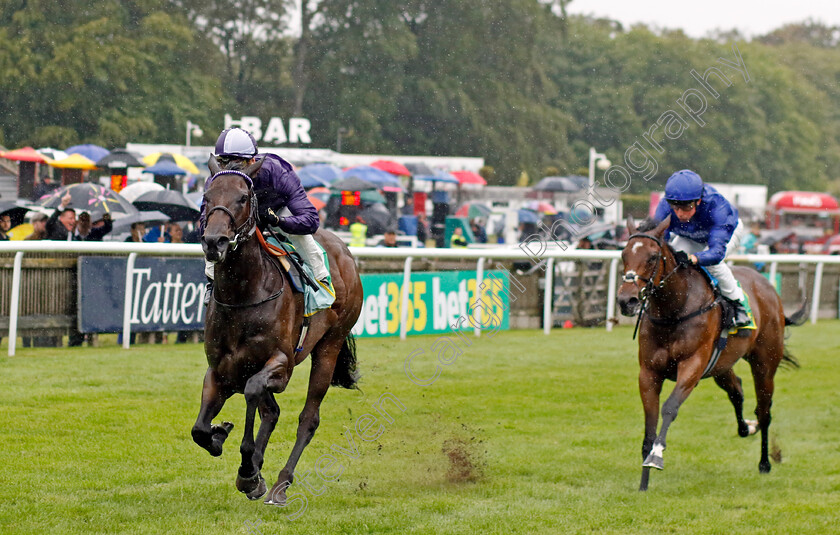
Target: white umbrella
[[139, 188]]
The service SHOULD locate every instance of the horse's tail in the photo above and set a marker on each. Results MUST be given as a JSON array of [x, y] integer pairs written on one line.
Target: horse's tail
[[789, 361], [799, 317], [345, 374]]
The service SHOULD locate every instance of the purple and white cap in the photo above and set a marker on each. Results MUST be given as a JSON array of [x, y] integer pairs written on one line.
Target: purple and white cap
[[236, 142]]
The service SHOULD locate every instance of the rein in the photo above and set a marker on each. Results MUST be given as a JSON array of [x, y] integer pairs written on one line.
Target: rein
[[651, 286]]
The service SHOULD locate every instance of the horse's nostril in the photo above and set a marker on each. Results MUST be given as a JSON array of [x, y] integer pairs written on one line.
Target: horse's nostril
[[222, 242]]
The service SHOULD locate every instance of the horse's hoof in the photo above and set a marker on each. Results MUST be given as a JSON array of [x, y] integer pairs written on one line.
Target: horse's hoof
[[752, 426], [764, 467], [253, 487], [277, 495], [654, 461]]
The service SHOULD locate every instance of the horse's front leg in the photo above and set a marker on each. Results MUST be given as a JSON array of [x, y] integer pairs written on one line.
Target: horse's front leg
[[650, 386], [689, 373], [258, 394], [323, 365], [205, 434]]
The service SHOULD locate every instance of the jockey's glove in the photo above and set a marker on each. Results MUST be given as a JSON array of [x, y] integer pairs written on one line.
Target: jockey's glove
[[268, 217], [682, 258]]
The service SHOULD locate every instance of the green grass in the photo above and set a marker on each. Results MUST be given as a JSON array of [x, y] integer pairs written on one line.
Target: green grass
[[546, 430]]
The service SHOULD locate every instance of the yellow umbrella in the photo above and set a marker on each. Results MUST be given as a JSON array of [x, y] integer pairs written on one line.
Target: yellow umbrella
[[180, 160], [74, 161]]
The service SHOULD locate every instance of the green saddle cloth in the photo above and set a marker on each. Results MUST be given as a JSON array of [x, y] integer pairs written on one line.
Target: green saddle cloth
[[313, 300]]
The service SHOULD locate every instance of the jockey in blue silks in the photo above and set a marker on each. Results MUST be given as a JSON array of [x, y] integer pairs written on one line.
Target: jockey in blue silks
[[706, 227], [281, 200]]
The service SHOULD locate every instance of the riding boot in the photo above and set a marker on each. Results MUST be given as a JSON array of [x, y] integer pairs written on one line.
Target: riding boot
[[208, 292], [742, 312]]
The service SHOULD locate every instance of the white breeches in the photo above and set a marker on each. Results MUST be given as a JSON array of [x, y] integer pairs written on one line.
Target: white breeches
[[726, 280]]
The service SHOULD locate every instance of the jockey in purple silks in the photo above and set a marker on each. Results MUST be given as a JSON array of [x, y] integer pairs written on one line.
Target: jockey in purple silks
[[706, 227], [281, 200]]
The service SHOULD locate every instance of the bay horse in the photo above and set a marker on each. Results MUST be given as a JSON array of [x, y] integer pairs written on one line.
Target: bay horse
[[253, 325], [678, 329]]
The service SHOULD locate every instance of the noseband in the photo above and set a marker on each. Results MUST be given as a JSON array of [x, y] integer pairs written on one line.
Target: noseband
[[246, 229]]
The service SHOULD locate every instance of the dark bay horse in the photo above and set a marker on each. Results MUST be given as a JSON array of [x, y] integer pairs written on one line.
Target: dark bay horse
[[678, 331], [253, 324]]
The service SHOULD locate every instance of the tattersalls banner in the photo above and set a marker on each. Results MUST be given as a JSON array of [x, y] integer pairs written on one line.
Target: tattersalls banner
[[167, 294]]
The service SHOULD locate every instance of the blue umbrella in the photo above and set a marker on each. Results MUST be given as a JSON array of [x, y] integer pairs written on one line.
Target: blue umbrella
[[447, 178], [164, 167], [93, 153], [373, 175], [527, 216], [318, 174]]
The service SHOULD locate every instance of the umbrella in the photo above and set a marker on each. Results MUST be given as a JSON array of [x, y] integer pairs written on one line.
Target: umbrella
[[53, 154], [123, 224], [178, 159], [557, 183], [89, 197], [89, 151], [120, 159], [370, 196], [26, 154], [394, 168], [468, 177], [318, 174], [16, 213], [164, 168], [316, 202], [171, 202], [137, 189], [74, 161], [419, 168], [446, 178], [473, 210], [527, 216], [352, 184], [377, 218], [541, 207], [373, 175]]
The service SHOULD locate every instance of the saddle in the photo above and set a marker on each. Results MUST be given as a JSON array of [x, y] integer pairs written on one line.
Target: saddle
[[300, 274]]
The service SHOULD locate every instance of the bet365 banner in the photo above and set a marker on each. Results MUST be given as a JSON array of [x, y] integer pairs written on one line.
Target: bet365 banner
[[437, 303]]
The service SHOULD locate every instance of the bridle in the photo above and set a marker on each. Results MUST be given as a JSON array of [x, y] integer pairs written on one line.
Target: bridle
[[244, 231], [651, 286]]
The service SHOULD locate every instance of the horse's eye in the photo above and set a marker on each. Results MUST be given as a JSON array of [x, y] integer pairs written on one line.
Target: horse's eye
[[651, 260], [243, 199]]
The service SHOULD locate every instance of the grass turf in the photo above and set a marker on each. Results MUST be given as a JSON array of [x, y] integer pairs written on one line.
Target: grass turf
[[523, 433]]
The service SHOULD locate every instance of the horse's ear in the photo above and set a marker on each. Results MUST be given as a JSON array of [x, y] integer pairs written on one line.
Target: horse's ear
[[631, 225], [213, 165], [662, 227], [254, 168]]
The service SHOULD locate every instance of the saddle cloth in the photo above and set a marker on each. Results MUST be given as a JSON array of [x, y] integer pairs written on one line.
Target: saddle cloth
[[314, 300], [727, 307]]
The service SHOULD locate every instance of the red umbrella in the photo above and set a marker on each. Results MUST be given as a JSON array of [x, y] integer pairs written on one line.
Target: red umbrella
[[468, 177], [26, 154], [391, 167]]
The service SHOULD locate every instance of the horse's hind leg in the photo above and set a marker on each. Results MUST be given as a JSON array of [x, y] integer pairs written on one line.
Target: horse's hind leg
[[764, 386], [205, 434], [323, 364], [731, 384]]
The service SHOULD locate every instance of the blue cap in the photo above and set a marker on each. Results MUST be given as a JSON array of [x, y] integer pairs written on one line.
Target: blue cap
[[684, 186], [236, 142]]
